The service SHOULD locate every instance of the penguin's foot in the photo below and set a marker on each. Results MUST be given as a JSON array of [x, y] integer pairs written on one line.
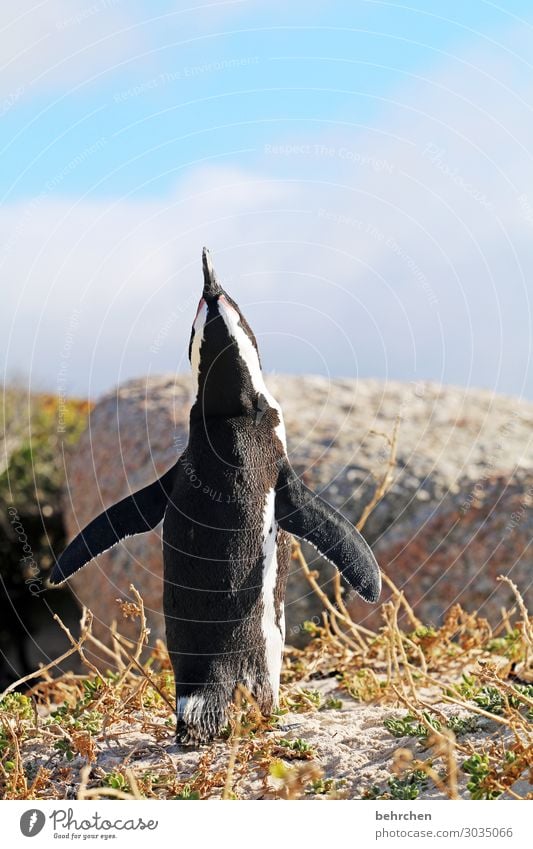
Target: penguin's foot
[[201, 718], [189, 737]]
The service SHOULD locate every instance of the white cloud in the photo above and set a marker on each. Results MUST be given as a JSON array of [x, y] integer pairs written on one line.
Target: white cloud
[[404, 251], [60, 42], [124, 266]]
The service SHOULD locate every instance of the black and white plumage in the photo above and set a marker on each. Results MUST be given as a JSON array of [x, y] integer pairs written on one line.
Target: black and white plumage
[[228, 507]]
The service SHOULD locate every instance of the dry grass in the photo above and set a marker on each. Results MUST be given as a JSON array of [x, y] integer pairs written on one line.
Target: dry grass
[[52, 737]]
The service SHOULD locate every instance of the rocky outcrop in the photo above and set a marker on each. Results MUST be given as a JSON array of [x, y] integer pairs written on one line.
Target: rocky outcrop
[[457, 514]]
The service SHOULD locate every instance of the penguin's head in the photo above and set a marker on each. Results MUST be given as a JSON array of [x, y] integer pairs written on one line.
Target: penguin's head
[[223, 352]]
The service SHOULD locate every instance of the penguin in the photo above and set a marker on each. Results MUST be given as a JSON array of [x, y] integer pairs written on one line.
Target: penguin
[[229, 507]]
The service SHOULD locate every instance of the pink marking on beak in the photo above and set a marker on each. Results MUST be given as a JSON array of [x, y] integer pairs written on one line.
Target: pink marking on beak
[[227, 305], [201, 302]]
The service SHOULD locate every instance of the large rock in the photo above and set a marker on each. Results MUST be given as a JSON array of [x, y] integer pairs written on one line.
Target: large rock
[[444, 531], [456, 552]]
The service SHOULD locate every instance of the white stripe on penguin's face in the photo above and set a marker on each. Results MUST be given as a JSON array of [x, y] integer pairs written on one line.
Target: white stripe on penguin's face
[[199, 325], [248, 354]]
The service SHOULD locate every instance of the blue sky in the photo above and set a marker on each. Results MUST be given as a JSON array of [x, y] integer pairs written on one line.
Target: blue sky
[[361, 171]]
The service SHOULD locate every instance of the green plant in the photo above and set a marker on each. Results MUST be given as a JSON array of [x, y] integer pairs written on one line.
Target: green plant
[[363, 685], [298, 745], [5, 742], [463, 724], [408, 786], [478, 768], [509, 645], [309, 627], [323, 786], [117, 781], [64, 747], [333, 704], [76, 718], [302, 700], [15, 704], [187, 793], [409, 726], [492, 699], [423, 632]]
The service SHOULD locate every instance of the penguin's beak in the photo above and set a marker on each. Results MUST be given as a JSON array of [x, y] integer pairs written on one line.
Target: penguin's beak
[[212, 287]]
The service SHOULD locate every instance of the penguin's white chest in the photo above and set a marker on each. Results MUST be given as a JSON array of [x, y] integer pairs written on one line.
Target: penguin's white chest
[[272, 631]]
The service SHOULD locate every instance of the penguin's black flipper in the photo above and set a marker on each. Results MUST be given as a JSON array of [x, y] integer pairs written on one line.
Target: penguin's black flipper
[[301, 512], [135, 514]]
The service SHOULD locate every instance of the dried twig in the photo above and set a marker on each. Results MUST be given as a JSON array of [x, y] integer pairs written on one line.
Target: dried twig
[[143, 672], [387, 478], [76, 645], [234, 746]]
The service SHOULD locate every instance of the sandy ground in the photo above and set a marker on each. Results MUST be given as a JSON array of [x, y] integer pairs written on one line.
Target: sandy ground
[[350, 745]]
